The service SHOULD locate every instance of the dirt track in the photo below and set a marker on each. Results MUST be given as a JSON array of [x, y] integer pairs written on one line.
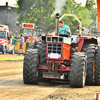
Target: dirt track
[[9, 55], [13, 88]]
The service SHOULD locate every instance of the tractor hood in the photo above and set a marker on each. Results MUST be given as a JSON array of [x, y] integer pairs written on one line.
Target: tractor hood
[[58, 39]]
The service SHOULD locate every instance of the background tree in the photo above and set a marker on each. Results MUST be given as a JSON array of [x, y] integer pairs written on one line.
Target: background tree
[[41, 12], [90, 4], [93, 14], [38, 12], [72, 7]]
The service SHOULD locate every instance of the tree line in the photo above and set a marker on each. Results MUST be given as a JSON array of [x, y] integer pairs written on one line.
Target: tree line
[[42, 13]]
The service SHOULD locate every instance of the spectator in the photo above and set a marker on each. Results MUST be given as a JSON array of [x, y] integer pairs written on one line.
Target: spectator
[[21, 44], [10, 38], [25, 37], [26, 40]]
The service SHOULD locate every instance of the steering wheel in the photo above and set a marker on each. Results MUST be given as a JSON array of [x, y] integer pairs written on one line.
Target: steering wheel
[[62, 34]]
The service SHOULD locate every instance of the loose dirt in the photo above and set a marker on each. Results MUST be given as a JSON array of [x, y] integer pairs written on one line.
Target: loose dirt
[[13, 88], [10, 55]]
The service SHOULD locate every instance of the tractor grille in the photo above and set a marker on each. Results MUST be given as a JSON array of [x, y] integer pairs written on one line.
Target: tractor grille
[[54, 48]]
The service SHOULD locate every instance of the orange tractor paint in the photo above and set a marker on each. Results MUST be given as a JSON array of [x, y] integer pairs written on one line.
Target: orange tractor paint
[[98, 18]]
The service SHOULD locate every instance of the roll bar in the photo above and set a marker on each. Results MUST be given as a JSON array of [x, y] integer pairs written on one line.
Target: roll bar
[[75, 18]]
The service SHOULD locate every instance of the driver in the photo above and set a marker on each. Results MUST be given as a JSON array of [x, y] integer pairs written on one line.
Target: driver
[[64, 29]]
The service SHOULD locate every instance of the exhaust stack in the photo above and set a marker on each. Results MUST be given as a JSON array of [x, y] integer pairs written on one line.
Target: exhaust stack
[[57, 23]]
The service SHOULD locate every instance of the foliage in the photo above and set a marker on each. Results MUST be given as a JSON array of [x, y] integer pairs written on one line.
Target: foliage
[[38, 12], [83, 14], [71, 7], [21, 31], [41, 12], [89, 4], [93, 14]]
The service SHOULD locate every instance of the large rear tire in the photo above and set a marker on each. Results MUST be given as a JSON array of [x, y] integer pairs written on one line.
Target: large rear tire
[[90, 49], [41, 46], [78, 70], [31, 45], [97, 67], [30, 72]]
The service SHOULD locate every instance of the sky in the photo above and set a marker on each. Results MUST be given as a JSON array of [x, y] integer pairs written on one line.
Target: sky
[[12, 2], [82, 1]]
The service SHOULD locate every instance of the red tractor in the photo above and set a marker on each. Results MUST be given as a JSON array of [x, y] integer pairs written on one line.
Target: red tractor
[[55, 57], [5, 45], [32, 34]]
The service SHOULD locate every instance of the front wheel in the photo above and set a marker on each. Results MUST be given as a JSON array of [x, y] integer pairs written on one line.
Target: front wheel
[[78, 70], [90, 49], [97, 67], [30, 72]]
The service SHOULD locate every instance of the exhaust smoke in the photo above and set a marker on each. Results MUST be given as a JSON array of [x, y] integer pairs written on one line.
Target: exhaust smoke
[[59, 5]]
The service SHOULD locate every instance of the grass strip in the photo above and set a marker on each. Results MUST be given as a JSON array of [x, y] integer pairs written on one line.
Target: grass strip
[[11, 59]]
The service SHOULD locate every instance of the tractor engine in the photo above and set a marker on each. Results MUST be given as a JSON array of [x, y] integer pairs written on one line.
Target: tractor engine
[[57, 48], [58, 53]]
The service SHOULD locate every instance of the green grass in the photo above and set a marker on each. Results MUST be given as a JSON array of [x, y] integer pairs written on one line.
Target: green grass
[[11, 59]]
